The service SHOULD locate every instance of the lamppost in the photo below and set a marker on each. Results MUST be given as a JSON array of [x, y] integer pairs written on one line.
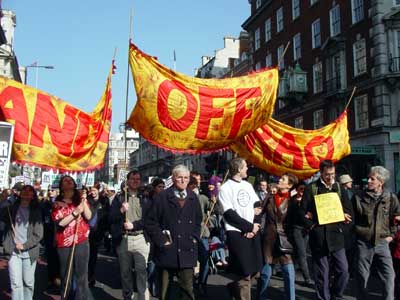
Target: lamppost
[[35, 65]]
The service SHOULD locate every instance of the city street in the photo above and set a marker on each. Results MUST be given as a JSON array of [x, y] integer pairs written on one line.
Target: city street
[[108, 284]]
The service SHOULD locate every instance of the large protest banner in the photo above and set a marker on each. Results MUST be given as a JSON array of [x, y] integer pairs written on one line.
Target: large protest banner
[[190, 114]]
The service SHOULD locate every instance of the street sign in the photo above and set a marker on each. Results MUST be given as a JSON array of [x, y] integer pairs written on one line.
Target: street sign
[[6, 138]]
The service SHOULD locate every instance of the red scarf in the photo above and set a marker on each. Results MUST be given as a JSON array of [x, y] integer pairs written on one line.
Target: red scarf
[[280, 197]]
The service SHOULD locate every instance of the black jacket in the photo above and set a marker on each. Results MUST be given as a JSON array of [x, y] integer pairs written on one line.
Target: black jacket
[[184, 225], [329, 237], [117, 219]]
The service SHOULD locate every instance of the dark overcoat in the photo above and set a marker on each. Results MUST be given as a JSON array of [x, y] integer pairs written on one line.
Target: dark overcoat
[[184, 225], [329, 237]]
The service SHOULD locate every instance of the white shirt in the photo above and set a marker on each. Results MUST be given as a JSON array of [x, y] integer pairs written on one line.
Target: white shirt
[[240, 197]]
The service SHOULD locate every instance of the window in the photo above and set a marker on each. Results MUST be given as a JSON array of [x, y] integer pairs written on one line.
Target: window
[[397, 2], [258, 66], [361, 112], [334, 15], [295, 9], [282, 59], [268, 60], [318, 117], [336, 72], [357, 10], [360, 59], [257, 39], [298, 122], [297, 47], [317, 78], [316, 34], [268, 30], [279, 20], [312, 2], [258, 3]]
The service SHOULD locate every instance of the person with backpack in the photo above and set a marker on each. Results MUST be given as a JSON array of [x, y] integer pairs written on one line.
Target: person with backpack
[[375, 212], [327, 240]]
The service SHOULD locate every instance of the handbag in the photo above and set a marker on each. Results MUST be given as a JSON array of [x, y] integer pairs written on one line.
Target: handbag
[[285, 246]]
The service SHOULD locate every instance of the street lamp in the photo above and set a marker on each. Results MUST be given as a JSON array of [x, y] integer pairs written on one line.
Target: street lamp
[[35, 65]]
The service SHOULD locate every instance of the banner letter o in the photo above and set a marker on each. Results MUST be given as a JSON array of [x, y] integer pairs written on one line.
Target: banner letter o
[[314, 160], [165, 118]]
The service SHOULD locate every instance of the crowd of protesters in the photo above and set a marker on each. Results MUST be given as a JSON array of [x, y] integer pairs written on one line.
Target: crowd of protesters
[[169, 239]]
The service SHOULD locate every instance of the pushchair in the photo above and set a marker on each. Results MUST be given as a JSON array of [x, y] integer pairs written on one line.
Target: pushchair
[[217, 258]]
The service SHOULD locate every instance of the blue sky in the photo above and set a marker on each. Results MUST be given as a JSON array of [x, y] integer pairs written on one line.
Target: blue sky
[[79, 37]]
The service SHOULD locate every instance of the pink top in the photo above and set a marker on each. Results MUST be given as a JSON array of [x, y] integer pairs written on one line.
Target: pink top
[[65, 236]]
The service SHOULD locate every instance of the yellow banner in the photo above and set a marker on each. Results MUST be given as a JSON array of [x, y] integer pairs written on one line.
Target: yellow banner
[[329, 208], [51, 133], [279, 148], [190, 114]]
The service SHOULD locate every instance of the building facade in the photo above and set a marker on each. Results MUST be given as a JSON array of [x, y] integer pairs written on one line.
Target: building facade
[[116, 158], [324, 49], [8, 61]]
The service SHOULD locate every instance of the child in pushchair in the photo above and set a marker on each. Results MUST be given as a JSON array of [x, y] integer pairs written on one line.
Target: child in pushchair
[[217, 250]]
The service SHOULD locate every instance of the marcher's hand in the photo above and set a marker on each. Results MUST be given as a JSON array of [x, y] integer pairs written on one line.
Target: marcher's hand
[[83, 196], [347, 218], [396, 220], [308, 215], [79, 209], [19, 246], [256, 228], [124, 207], [128, 225], [249, 235], [167, 243], [389, 239], [257, 211]]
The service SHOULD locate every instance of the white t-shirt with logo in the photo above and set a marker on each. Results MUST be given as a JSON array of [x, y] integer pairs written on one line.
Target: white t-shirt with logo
[[240, 197]]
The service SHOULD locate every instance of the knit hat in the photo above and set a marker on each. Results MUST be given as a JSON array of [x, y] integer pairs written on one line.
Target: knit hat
[[345, 179]]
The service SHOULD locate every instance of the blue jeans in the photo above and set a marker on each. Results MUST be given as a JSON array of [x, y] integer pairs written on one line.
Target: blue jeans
[[288, 280], [203, 260], [22, 276], [380, 252]]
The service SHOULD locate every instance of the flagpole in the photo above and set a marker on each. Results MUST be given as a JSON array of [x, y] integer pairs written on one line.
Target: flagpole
[[174, 60], [126, 107], [351, 97], [283, 54]]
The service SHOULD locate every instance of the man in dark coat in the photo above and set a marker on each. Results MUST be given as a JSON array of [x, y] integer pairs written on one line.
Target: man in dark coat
[[174, 224], [327, 241]]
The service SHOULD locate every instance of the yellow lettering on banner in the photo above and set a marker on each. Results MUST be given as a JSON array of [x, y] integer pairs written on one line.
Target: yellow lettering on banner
[[329, 208]]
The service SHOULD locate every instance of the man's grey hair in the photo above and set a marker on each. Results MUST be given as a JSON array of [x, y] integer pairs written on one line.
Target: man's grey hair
[[235, 165], [180, 169], [381, 173]]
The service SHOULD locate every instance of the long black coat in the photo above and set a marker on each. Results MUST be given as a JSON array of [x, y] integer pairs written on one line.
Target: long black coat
[[184, 224], [329, 237]]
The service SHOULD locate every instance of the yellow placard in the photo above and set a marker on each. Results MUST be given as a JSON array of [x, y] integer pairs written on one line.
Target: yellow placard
[[329, 208]]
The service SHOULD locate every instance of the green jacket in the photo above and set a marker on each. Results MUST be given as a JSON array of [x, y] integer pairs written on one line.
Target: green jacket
[[374, 218]]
